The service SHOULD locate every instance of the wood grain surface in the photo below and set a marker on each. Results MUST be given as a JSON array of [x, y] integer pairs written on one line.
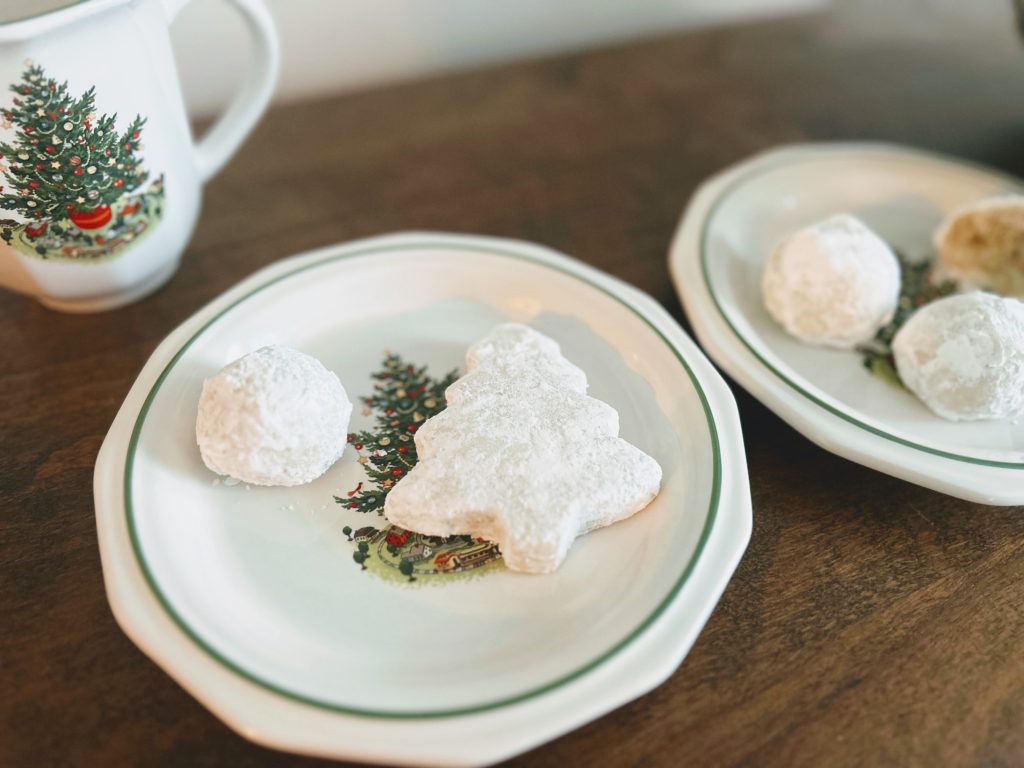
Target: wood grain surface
[[871, 622]]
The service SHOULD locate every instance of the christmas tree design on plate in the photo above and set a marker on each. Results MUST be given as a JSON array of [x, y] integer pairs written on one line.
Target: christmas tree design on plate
[[404, 396], [918, 286], [72, 177]]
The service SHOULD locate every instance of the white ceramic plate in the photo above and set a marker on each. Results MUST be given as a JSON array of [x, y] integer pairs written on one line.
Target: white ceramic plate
[[250, 597], [729, 228]]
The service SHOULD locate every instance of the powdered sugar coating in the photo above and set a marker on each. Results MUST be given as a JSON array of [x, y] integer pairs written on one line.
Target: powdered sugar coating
[[521, 456], [964, 356], [273, 417], [835, 283]]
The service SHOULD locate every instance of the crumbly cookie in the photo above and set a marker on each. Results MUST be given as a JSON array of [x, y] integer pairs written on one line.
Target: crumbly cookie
[[964, 356], [983, 244], [834, 283], [521, 456], [273, 417]]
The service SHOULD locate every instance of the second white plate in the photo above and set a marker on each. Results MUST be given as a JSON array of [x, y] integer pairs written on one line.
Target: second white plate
[[730, 227]]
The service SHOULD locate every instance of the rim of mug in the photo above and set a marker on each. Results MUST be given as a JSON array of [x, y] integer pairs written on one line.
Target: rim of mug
[[32, 23]]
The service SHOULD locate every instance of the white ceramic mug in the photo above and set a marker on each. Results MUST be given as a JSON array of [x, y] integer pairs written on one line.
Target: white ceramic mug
[[101, 181]]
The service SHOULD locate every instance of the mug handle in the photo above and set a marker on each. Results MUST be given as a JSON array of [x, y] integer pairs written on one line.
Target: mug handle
[[231, 128]]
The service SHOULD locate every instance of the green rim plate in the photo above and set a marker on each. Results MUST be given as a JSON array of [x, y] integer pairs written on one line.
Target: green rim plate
[[705, 233], [254, 677]]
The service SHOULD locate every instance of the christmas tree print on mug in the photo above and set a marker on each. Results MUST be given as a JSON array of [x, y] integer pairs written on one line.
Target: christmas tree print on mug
[[102, 179], [404, 396], [78, 183]]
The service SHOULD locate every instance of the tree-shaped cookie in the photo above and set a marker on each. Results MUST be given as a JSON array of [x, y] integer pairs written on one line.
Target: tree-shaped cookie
[[522, 456]]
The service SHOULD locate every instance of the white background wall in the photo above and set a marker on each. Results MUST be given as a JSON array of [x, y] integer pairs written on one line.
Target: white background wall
[[331, 46]]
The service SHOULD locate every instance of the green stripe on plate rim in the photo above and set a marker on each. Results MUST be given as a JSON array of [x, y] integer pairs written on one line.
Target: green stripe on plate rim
[[252, 677], [703, 257]]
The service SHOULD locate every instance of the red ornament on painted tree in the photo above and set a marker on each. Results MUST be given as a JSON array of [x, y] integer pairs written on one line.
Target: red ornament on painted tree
[[92, 219]]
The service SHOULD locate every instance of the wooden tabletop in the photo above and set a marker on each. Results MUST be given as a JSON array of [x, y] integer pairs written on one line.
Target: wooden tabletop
[[871, 622]]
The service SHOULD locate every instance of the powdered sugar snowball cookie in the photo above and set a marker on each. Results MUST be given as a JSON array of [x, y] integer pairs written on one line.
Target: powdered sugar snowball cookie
[[983, 244], [273, 417], [834, 284], [522, 456], [964, 356]]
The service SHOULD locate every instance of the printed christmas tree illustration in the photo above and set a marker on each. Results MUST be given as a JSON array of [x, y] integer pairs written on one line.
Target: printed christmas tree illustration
[[919, 285], [67, 167], [404, 397]]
